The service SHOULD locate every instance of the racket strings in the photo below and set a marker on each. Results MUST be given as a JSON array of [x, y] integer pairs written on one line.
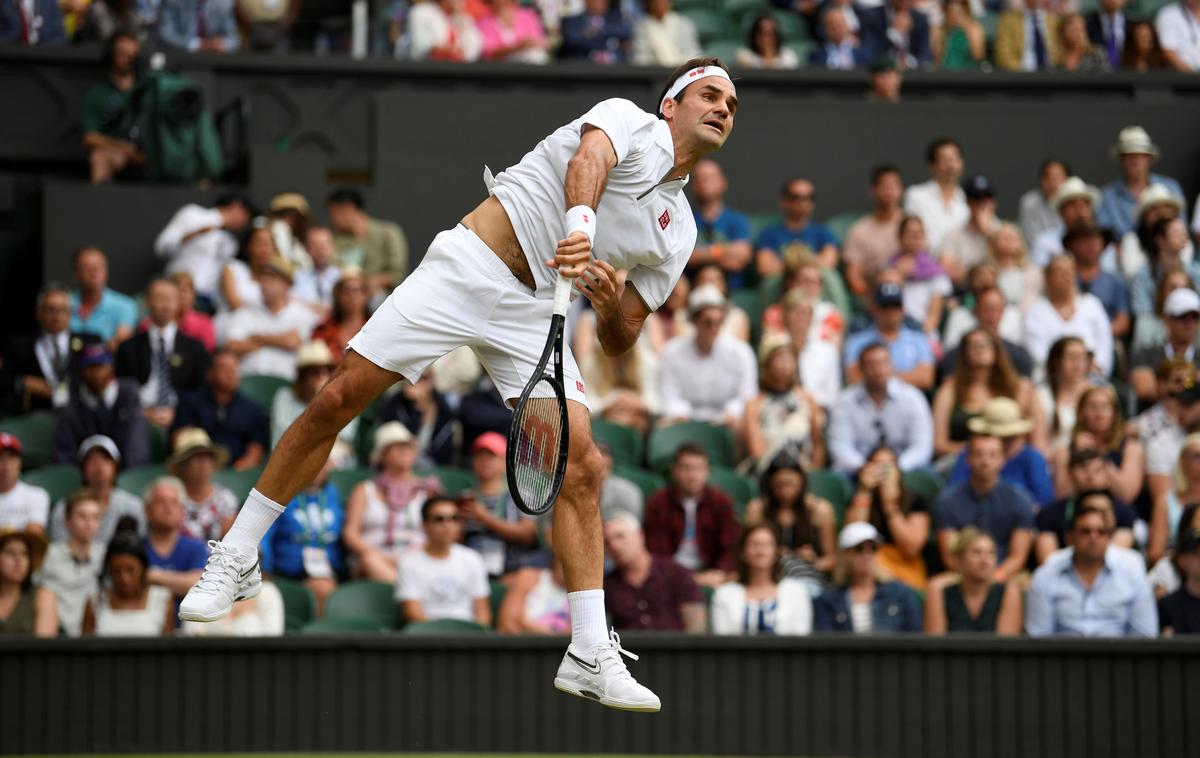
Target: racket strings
[[538, 440]]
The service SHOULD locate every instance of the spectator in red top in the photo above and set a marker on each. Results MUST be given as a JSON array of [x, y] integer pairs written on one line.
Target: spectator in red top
[[644, 591], [692, 522]]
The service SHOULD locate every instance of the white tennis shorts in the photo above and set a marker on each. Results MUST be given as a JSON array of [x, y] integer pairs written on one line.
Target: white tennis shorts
[[463, 294]]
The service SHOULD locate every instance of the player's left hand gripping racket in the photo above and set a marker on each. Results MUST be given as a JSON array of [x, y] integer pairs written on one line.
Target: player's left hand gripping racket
[[537, 440]]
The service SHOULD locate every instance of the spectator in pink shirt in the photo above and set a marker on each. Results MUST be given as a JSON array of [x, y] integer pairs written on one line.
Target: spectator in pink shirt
[[512, 33]]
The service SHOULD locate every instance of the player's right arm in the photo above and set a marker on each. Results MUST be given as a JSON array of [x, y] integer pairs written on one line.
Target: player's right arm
[[587, 174]]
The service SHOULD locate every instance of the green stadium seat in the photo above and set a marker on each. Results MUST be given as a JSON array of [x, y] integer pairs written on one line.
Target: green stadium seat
[[444, 627], [841, 223], [336, 627], [925, 483], [160, 443], [740, 488], [499, 590], [36, 433], [745, 11], [261, 388], [346, 479], [748, 300], [59, 480], [623, 442], [647, 481], [299, 605], [138, 478], [711, 24], [366, 601], [792, 26], [454, 480], [833, 487], [725, 49], [717, 440], [239, 482]]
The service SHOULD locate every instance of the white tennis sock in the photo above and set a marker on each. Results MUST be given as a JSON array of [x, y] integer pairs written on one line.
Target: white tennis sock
[[253, 521], [589, 626]]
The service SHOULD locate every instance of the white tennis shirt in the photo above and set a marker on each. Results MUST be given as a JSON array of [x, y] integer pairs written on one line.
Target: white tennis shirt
[[644, 224]]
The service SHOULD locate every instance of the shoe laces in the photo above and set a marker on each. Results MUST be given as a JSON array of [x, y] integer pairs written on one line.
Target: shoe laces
[[221, 571], [611, 653]]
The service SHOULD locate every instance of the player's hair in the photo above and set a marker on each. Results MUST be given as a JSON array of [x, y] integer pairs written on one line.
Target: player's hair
[[689, 448], [884, 169], [710, 60], [937, 144], [433, 500], [346, 195]]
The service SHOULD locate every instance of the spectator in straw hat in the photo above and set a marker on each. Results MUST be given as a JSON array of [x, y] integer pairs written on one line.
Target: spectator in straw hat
[[1023, 465], [1075, 202], [314, 366], [266, 337], [1135, 152], [209, 507], [24, 609]]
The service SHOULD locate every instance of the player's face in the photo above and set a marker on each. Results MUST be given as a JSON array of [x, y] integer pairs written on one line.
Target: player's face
[[706, 112]]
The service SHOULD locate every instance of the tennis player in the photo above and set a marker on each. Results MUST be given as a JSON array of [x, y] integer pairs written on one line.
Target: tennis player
[[602, 193]]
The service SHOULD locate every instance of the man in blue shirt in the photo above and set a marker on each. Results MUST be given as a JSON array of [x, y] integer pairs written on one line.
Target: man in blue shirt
[[1085, 242], [305, 543], [231, 419], [1135, 153], [176, 560], [95, 308], [797, 200], [1091, 589], [988, 503], [1022, 465], [912, 357], [722, 234]]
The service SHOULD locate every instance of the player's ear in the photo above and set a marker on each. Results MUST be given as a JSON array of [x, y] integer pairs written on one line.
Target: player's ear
[[668, 108]]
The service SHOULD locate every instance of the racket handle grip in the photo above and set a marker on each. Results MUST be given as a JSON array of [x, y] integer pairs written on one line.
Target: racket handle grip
[[562, 296]]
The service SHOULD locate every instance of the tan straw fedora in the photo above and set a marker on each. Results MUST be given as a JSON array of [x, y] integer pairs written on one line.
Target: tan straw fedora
[[1001, 417]]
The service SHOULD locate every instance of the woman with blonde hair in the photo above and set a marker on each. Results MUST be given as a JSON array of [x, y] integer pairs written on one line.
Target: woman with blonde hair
[[972, 600], [1017, 279], [1168, 505], [1098, 416]]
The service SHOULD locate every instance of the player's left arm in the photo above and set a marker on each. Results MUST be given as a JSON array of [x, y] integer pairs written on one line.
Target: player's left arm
[[620, 311], [587, 175]]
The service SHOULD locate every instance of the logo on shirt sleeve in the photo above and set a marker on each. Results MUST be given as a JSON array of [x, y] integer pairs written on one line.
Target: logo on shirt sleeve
[[665, 219], [579, 386]]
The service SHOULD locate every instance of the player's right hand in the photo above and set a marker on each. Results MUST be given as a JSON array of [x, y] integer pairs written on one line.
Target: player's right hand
[[572, 255]]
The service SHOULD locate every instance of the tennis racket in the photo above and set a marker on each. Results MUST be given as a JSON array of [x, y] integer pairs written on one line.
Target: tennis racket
[[537, 441]]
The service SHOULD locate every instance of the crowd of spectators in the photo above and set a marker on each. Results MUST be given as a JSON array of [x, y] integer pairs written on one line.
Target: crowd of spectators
[[925, 418], [880, 35]]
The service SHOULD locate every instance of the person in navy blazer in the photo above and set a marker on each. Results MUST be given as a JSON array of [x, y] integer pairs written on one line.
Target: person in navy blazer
[[178, 26], [838, 49], [45, 26], [873, 31], [599, 34]]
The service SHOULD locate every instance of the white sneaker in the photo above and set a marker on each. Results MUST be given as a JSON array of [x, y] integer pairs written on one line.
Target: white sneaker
[[604, 678], [231, 575]]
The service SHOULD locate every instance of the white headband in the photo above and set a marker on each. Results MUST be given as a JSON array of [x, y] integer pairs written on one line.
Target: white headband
[[694, 75]]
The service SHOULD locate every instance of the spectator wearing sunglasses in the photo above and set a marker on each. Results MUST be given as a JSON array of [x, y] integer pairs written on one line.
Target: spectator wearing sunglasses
[[443, 579], [862, 600]]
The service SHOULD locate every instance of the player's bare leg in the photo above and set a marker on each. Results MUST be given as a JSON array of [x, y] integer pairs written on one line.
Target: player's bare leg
[[232, 572], [592, 667]]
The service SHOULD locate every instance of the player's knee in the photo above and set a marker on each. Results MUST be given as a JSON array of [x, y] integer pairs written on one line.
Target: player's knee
[[327, 411], [585, 469]]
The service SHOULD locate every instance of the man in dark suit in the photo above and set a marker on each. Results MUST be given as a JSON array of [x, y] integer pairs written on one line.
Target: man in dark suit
[[1106, 29], [38, 371], [896, 29], [39, 24], [600, 34], [104, 405], [164, 361], [839, 51]]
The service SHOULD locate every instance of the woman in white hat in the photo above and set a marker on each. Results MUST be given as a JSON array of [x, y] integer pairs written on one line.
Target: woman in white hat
[[1137, 245], [383, 515], [210, 508], [1170, 245], [314, 366]]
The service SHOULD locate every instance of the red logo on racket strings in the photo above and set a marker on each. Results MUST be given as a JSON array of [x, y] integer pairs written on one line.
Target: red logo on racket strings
[[665, 219], [579, 386]]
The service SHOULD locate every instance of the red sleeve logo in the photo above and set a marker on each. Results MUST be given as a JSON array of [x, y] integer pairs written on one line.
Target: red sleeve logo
[[665, 219], [579, 386]]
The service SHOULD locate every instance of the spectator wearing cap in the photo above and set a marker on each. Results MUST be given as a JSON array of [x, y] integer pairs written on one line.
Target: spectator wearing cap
[[663, 37], [940, 202], [797, 199], [911, 355], [377, 247], [880, 410], [926, 284], [99, 460], [176, 559], [209, 508], [493, 525], [1181, 317], [874, 238], [1037, 212], [314, 286], [693, 522], [305, 543], [707, 376], [231, 419], [1134, 152], [1075, 203], [428, 415], [266, 337], [783, 417], [839, 49], [990, 312], [1064, 311], [861, 600], [1087, 469], [39, 371], [761, 601], [25, 609], [95, 308], [1027, 38], [72, 566], [22, 506], [723, 234], [600, 33], [196, 26], [967, 246], [1023, 464], [1092, 588], [987, 502], [1179, 612], [1137, 246], [314, 366], [1085, 243], [201, 241], [288, 221], [161, 359], [104, 405], [644, 591], [1170, 249], [885, 80], [383, 514]]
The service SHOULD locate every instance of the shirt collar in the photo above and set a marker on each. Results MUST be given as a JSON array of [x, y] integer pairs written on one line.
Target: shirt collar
[[1069, 566], [662, 138], [167, 332], [108, 398]]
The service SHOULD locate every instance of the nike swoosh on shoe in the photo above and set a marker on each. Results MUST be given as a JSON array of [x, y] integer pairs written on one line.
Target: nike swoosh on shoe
[[591, 668], [247, 573]]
